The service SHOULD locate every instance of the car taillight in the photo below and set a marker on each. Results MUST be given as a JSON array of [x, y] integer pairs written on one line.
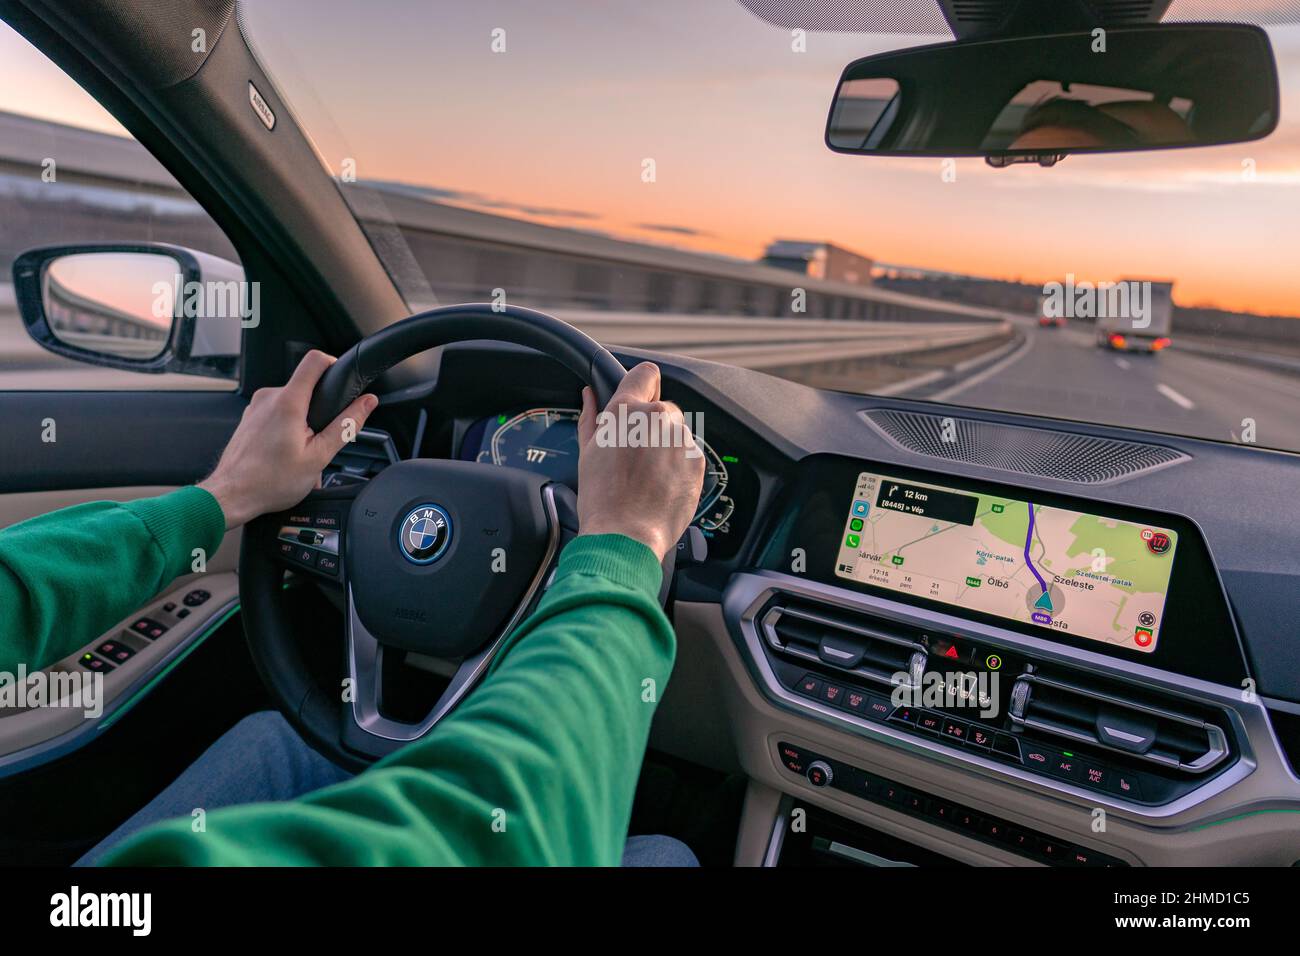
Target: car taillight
[[1118, 341], [1161, 343]]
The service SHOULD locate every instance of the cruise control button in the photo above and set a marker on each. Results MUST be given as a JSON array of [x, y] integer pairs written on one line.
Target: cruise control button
[[327, 519], [328, 564]]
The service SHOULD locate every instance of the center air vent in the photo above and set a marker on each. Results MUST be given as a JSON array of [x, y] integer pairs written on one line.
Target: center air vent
[[1042, 452], [871, 650], [1158, 733]]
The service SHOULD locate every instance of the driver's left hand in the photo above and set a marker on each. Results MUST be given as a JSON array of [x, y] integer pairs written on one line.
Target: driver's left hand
[[274, 459]]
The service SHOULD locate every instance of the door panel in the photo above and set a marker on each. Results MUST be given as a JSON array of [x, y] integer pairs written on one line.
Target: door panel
[[55, 441]]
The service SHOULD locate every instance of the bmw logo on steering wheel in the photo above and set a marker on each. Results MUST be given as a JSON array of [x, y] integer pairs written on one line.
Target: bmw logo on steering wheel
[[425, 534]]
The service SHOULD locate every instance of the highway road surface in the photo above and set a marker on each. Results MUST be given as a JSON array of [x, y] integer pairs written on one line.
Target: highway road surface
[[1063, 374]]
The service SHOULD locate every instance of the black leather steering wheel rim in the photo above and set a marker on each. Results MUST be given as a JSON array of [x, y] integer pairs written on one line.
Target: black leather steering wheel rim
[[268, 625], [358, 367]]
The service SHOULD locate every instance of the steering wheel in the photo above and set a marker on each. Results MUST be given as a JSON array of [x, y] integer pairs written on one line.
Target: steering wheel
[[441, 558]]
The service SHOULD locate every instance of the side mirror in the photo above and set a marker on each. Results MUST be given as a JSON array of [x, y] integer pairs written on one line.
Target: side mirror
[[147, 307], [1038, 98]]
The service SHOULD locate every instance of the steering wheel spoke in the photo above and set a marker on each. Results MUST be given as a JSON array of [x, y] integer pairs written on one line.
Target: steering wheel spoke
[[365, 727]]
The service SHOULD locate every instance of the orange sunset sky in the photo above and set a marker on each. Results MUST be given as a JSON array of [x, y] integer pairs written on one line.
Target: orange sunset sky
[[555, 130]]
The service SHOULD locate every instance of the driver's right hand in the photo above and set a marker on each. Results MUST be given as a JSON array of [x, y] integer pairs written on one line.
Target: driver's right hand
[[627, 485]]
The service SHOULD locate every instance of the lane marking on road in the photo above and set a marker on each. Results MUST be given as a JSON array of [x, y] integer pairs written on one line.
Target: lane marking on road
[[1016, 356], [907, 384], [1178, 399], [1123, 363]]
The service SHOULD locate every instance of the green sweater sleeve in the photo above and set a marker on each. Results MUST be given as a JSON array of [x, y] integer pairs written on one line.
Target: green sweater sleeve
[[537, 766], [67, 576]]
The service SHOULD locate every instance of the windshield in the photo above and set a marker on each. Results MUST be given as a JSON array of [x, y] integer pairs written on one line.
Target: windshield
[[657, 174]]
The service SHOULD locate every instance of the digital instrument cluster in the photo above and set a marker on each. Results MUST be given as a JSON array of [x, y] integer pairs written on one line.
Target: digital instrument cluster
[[545, 441]]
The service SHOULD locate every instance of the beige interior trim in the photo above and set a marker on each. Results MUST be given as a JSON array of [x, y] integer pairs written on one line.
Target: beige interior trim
[[19, 506], [714, 714], [32, 735]]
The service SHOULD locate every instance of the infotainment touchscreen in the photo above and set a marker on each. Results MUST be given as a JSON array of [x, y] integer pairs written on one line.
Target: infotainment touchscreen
[[1090, 576]]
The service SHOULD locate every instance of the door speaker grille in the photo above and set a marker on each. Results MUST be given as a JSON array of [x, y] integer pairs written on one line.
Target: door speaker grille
[[1064, 456]]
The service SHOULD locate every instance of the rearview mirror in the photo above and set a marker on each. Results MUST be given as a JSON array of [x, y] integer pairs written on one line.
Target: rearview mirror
[[1038, 98]]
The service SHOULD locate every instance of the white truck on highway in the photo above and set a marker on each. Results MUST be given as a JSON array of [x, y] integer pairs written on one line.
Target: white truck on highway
[[1135, 315]]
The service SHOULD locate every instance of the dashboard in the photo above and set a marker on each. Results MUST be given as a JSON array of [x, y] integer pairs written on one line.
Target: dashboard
[[918, 641], [545, 441]]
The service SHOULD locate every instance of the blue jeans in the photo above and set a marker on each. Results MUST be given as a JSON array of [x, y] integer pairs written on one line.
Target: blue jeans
[[262, 759]]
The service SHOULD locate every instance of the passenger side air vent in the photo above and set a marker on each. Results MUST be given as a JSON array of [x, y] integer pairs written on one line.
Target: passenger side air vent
[[1151, 731], [870, 649], [361, 460], [1065, 456]]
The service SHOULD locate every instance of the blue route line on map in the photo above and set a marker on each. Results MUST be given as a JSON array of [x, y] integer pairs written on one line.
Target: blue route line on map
[[1029, 537]]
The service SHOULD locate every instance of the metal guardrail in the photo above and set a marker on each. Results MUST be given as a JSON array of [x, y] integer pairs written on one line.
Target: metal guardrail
[[768, 343], [1289, 365]]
